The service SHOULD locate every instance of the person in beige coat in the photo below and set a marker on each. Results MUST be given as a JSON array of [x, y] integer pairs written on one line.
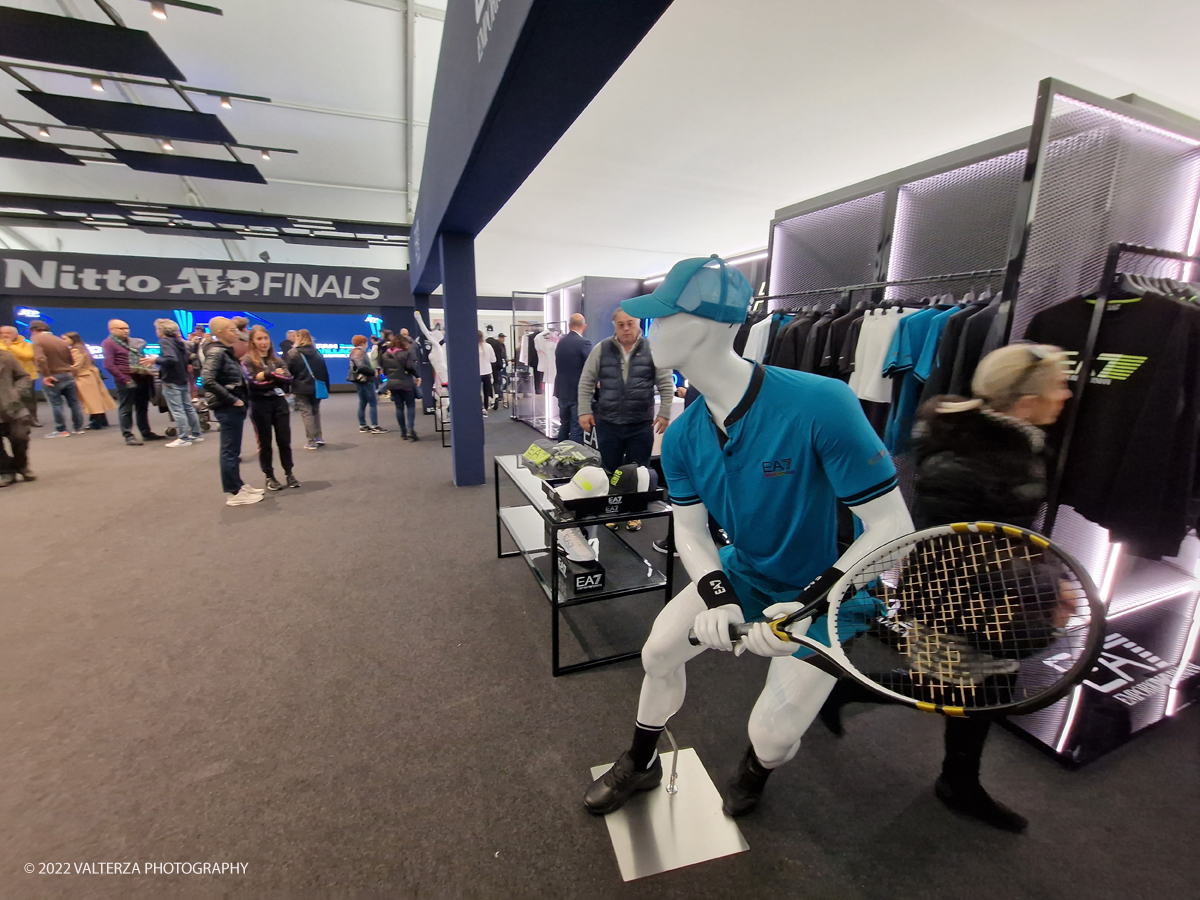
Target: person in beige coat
[[93, 394]]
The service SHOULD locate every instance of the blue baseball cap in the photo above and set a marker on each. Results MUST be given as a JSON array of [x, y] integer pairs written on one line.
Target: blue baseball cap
[[709, 288]]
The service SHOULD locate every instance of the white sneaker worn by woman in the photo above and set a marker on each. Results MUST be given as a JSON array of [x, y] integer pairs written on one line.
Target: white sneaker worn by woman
[[245, 496], [178, 442]]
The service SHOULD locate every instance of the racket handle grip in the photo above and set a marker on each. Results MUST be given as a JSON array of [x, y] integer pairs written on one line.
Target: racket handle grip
[[737, 631]]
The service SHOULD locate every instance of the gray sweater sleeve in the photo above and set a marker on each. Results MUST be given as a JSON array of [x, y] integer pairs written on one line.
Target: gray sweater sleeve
[[587, 380], [664, 379]]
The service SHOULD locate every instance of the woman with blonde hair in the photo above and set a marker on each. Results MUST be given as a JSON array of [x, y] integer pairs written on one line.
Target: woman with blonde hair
[[310, 384], [981, 459], [268, 379], [93, 394]]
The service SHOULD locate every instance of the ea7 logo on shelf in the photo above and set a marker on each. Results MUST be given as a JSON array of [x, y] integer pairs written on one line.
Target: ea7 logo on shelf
[[776, 467], [1108, 367], [589, 582], [1125, 670]]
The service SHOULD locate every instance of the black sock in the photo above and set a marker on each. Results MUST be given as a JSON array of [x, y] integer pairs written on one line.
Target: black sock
[[645, 742]]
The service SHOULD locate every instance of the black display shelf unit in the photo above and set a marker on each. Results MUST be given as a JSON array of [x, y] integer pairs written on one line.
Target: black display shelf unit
[[532, 526], [1042, 206]]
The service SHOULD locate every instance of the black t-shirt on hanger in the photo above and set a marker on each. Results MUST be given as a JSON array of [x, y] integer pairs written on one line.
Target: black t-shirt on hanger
[[1132, 459]]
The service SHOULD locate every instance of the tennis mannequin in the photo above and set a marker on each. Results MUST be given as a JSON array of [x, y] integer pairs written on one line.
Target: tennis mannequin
[[768, 452], [437, 352]]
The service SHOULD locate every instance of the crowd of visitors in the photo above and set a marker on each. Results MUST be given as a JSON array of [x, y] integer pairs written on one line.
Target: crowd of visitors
[[225, 373]]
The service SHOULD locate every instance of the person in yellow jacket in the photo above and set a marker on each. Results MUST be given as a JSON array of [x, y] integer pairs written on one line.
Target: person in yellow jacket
[[11, 340]]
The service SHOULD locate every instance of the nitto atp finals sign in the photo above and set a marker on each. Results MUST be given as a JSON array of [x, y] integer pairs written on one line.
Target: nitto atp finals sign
[[80, 275]]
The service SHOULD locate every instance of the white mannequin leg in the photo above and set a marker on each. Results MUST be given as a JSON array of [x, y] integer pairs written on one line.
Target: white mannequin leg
[[663, 657], [789, 701]]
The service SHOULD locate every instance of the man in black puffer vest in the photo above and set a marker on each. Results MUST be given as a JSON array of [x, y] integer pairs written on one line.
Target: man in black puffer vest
[[616, 395]]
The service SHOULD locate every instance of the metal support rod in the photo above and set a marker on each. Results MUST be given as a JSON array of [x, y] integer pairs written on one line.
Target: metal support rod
[[930, 279], [122, 79], [671, 788]]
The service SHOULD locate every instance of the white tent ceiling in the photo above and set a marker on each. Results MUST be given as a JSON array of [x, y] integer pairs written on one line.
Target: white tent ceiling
[[724, 113], [729, 111], [335, 70]]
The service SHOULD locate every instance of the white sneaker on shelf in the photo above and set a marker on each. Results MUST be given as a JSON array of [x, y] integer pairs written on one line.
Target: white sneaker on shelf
[[178, 442], [245, 496], [573, 543]]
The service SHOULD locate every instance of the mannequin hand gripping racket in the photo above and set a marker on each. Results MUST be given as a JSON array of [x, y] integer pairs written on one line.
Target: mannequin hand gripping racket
[[971, 619]]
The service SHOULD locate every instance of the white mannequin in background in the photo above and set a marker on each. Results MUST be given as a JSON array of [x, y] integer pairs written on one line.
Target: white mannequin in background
[[437, 352], [701, 348]]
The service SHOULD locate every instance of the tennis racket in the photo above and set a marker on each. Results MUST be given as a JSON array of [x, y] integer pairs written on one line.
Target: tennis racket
[[970, 619]]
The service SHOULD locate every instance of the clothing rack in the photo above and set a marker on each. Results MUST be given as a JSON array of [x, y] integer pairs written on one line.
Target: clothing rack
[[851, 288], [1107, 282]]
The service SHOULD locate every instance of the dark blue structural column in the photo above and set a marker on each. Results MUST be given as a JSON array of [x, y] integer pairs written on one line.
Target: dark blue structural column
[[462, 357], [425, 391]]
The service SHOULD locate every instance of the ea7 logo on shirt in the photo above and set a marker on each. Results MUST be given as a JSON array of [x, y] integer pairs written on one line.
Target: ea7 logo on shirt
[[777, 467], [1108, 367]]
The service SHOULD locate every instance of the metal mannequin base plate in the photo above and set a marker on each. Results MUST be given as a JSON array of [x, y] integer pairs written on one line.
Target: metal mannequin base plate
[[656, 831]]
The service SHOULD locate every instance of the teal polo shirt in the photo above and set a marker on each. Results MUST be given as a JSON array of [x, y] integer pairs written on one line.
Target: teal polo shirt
[[797, 443]]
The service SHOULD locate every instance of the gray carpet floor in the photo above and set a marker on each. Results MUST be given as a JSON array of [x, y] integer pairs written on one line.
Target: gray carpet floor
[[343, 688]]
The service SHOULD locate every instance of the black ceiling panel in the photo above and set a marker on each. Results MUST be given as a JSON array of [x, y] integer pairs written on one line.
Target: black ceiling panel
[[184, 231], [152, 121], [323, 241], [78, 42], [61, 204], [373, 228], [169, 164], [20, 221], [219, 217], [19, 148]]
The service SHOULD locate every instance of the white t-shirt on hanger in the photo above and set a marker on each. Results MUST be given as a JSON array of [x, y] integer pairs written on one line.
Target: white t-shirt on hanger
[[878, 329], [545, 344]]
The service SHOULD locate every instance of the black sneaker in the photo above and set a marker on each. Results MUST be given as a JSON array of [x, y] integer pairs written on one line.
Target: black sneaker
[[661, 547], [153, 437], [272, 484], [743, 793], [375, 429], [611, 790], [363, 429], [970, 799], [291, 481], [412, 436]]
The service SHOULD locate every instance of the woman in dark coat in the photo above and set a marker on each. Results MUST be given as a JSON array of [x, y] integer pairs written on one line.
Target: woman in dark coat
[[307, 366], [979, 460], [402, 367]]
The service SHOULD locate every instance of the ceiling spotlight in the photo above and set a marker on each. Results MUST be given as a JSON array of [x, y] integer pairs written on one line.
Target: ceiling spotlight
[[97, 85], [266, 155], [168, 146], [158, 10], [225, 103], [43, 132]]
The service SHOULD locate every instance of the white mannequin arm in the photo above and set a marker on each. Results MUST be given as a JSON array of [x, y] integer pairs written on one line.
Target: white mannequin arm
[[884, 519], [696, 549], [424, 329]]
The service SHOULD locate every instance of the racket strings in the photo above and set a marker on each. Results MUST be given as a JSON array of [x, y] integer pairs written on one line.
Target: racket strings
[[963, 619]]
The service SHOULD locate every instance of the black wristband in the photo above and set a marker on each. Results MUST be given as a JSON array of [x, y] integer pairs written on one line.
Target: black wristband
[[715, 590]]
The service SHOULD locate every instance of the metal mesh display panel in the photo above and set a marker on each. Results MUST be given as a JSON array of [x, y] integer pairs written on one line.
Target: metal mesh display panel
[[828, 248], [958, 221], [1105, 178]]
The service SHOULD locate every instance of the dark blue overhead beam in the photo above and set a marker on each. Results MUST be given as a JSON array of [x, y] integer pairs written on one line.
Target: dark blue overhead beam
[[511, 79]]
